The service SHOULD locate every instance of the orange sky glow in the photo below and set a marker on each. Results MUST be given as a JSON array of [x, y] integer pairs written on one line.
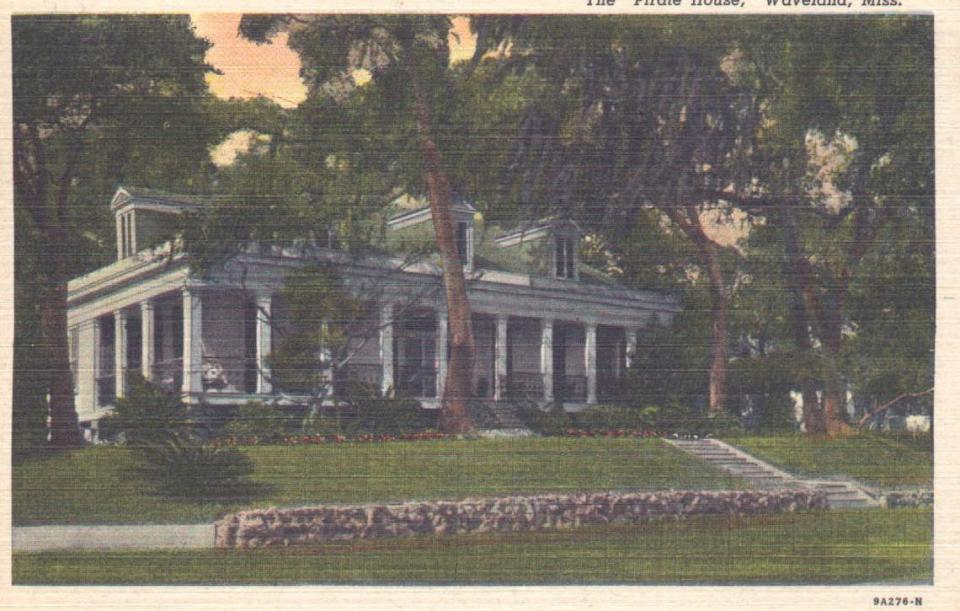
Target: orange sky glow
[[272, 70]]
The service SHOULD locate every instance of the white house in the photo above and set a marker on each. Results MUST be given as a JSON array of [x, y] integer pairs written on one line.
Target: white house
[[545, 324]]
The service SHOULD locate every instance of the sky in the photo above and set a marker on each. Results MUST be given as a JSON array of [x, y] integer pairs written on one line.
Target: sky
[[272, 70]]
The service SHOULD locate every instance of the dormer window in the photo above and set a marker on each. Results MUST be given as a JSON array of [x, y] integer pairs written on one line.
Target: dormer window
[[565, 257], [408, 227]]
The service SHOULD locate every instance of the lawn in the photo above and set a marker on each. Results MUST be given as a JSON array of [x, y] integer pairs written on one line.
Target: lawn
[[98, 485], [887, 461], [839, 547]]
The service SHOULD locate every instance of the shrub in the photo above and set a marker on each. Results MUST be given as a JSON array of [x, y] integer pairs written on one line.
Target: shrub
[[148, 414], [679, 419], [546, 422], [379, 416], [187, 469], [169, 446], [482, 416], [608, 417], [267, 422]]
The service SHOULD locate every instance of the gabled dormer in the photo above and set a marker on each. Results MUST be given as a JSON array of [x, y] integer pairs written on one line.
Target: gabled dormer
[[416, 225], [554, 242], [145, 218]]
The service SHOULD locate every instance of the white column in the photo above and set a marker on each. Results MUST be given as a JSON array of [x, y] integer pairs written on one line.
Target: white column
[[546, 358], [97, 362], [147, 329], [386, 347], [631, 347], [192, 342], [326, 357], [590, 360], [264, 302], [120, 351], [500, 351], [132, 216], [120, 235], [87, 366], [441, 351]]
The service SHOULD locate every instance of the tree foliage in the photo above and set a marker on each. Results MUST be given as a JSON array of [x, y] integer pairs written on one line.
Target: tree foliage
[[96, 100]]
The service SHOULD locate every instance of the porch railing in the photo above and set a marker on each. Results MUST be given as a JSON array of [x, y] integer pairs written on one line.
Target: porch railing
[[168, 374]]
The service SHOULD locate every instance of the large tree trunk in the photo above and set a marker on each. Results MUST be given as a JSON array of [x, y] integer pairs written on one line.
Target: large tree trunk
[[64, 427], [813, 422], [829, 321], [31, 177], [718, 311], [687, 218], [834, 391], [454, 413]]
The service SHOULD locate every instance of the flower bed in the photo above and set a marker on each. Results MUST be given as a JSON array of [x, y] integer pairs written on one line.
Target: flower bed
[[613, 433], [294, 440], [297, 440], [315, 525]]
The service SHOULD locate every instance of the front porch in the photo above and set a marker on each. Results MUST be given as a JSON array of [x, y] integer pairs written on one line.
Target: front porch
[[212, 344]]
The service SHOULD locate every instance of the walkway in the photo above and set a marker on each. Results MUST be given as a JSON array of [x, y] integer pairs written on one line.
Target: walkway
[[112, 537], [841, 493]]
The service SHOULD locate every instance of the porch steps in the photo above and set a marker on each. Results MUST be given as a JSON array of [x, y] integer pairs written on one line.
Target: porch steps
[[841, 493]]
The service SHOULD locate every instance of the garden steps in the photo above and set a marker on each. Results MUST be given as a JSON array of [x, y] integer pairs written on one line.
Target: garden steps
[[841, 494]]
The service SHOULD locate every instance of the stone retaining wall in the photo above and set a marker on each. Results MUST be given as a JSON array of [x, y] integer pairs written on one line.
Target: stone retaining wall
[[322, 524]]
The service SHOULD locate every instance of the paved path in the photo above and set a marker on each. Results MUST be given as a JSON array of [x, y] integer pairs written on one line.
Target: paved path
[[841, 493], [112, 537]]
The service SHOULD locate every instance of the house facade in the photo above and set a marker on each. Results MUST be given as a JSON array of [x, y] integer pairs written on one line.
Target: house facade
[[546, 326]]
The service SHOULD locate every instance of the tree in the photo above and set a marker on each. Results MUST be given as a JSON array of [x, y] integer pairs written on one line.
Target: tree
[[408, 56], [95, 99], [845, 151], [638, 114]]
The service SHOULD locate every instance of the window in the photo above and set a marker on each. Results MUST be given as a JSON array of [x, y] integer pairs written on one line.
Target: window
[[565, 258]]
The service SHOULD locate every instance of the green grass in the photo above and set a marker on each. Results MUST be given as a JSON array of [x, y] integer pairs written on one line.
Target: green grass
[[98, 486], [887, 461], [803, 548]]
